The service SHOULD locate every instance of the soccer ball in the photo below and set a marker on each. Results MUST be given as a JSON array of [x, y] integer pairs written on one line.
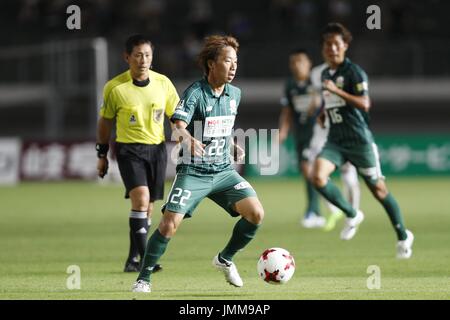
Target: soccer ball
[[276, 266]]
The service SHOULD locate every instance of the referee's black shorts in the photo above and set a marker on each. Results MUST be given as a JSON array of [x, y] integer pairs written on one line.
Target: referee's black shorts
[[143, 165]]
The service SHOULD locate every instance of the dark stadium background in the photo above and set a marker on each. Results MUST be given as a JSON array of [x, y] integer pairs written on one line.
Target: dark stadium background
[[49, 90]]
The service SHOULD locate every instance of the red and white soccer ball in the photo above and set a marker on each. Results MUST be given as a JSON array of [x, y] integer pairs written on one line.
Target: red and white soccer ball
[[276, 266]]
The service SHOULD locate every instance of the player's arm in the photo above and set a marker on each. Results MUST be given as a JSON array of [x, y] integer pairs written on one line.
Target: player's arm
[[237, 151], [316, 103], [284, 123], [361, 102], [104, 128], [180, 134]]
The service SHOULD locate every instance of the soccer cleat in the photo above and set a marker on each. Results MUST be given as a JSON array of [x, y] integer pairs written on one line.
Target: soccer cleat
[[141, 286], [332, 220], [229, 270], [351, 226], [404, 247], [157, 268], [131, 266], [134, 266], [312, 220]]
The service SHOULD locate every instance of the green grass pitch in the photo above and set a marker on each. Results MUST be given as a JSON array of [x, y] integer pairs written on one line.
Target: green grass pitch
[[46, 227]]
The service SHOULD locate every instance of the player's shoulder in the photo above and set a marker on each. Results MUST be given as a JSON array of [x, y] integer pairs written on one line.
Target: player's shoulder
[[319, 68], [233, 90], [117, 81], [194, 90], [289, 83], [356, 70]]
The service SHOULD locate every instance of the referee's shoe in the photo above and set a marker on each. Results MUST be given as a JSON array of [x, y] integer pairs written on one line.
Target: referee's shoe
[[134, 266]]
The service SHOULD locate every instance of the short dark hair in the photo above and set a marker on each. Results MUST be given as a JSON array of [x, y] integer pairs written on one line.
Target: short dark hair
[[136, 40], [299, 51], [211, 49], [336, 28]]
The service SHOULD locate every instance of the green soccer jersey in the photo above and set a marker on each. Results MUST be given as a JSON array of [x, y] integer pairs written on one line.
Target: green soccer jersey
[[299, 96], [349, 126], [210, 119]]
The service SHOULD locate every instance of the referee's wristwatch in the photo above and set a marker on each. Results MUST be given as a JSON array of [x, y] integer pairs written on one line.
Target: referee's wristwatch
[[102, 150]]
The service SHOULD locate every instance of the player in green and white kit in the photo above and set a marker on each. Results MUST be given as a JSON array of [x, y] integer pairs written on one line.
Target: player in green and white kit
[[300, 103], [349, 175], [204, 121], [347, 102]]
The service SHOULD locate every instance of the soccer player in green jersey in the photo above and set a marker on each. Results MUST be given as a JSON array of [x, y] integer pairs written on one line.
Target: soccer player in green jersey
[[204, 121], [299, 107], [347, 103]]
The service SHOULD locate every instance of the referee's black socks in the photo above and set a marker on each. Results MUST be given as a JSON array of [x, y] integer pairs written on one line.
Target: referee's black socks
[[138, 234]]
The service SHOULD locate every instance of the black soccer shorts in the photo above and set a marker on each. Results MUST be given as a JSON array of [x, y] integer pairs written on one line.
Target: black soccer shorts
[[143, 165]]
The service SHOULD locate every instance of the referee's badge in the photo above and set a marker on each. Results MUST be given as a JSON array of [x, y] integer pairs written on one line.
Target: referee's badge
[[233, 107], [157, 115], [133, 119]]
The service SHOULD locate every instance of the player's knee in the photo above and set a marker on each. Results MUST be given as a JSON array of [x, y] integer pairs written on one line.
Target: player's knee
[[381, 193], [319, 180], [380, 190], [168, 227], [257, 214], [140, 203]]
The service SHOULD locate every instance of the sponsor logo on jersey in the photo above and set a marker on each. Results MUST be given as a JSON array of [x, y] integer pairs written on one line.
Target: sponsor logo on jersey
[[208, 108], [220, 126]]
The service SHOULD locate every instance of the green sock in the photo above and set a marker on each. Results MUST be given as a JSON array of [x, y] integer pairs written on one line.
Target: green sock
[[390, 205], [333, 195], [243, 233], [156, 246], [313, 198]]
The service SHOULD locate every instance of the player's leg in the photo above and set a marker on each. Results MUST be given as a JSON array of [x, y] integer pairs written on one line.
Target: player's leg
[[371, 172], [349, 177], [323, 168], [185, 194], [133, 172], [387, 200], [156, 174], [321, 173], [316, 145], [158, 242], [138, 225], [312, 217], [238, 198]]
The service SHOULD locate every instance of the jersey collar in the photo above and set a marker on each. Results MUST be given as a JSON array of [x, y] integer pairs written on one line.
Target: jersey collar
[[207, 88], [140, 84], [343, 66]]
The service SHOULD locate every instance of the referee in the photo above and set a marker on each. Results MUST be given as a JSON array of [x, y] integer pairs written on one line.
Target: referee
[[136, 101]]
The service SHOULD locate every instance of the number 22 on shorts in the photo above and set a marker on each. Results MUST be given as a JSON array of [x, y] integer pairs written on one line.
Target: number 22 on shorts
[[179, 196]]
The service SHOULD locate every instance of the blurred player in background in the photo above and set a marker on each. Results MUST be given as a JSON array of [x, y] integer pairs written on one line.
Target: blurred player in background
[[136, 101], [347, 102], [204, 121], [299, 106], [349, 175]]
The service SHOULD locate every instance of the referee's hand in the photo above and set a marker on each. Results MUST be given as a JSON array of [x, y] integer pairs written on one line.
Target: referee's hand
[[102, 167]]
